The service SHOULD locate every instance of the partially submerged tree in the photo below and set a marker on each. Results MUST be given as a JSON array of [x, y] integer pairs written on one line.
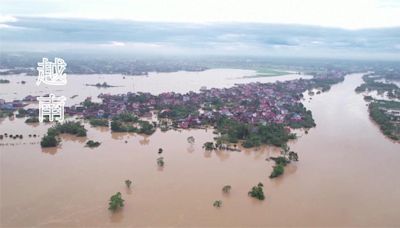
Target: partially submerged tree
[[226, 188], [160, 161], [49, 140], [217, 203], [116, 202], [92, 143], [190, 139], [160, 150], [293, 156], [209, 146], [286, 157], [280, 160], [257, 192], [277, 171], [128, 183]]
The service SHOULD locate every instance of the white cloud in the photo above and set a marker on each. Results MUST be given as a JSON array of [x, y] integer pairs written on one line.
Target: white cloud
[[351, 14], [115, 44], [6, 19]]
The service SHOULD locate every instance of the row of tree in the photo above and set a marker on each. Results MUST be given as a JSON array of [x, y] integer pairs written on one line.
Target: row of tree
[[52, 139]]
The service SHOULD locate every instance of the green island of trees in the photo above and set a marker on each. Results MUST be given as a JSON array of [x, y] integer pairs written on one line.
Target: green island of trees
[[51, 139], [92, 144], [388, 123], [127, 122], [386, 113], [371, 83], [116, 202], [209, 146], [257, 192], [251, 136], [71, 127], [286, 157], [277, 171], [4, 81]]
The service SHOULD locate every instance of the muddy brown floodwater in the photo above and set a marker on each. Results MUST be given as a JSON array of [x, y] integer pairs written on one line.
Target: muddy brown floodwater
[[77, 90], [347, 176]]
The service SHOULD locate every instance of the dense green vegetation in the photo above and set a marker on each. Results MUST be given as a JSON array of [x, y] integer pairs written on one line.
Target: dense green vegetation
[[257, 192], [92, 144], [209, 146], [270, 133], [5, 113], [176, 112], [95, 122], [21, 113], [4, 81], [127, 122], [281, 160], [286, 157], [87, 103], [277, 171], [385, 113], [116, 202], [371, 84], [32, 120], [325, 83], [51, 139], [368, 98], [71, 127], [389, 124], [307, 120]]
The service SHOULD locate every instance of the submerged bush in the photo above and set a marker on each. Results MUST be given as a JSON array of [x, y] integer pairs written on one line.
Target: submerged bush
[[116, 202], [217, 203], [226, 188], [277, 171], [160, 161], [128, 183], [49, 140], [92, 143], [257, 192]]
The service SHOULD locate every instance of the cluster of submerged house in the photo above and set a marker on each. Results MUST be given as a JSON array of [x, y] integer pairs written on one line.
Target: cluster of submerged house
[[249, 103], [14, 105]]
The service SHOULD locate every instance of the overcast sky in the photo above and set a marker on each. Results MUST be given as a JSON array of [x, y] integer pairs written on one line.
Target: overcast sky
[[349, 14], [301, 28]]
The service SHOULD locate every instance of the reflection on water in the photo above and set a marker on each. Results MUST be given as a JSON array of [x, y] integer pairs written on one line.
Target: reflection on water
[[117, 217], [347, 176], [145, 140], [50, 150]]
